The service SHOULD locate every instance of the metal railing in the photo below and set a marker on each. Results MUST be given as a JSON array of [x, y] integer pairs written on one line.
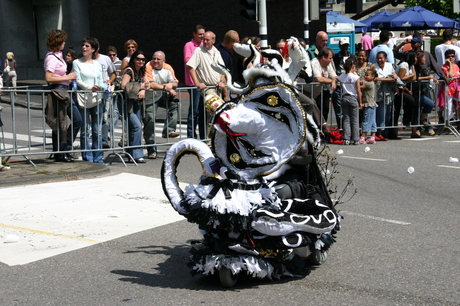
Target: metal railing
[[25, 131]]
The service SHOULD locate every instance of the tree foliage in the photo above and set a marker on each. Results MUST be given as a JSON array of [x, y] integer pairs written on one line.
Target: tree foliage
[[441, 7]]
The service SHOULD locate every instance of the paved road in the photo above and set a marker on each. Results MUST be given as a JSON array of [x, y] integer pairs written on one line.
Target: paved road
[[398, 245]]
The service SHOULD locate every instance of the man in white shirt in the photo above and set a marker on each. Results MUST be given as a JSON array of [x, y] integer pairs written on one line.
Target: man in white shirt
[[323, 72], [448, 44], [203, 75], [163, 84]]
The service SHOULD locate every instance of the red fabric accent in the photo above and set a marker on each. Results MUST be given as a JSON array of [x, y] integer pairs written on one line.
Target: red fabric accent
[[285, 50], [335, 136]]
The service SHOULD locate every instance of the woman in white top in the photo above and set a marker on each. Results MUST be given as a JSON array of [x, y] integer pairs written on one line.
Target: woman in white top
[[386, 89], [89, 77], [406, 72]]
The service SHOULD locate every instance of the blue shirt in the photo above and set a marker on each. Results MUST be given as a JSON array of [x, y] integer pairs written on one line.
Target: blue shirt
[[377, 49]]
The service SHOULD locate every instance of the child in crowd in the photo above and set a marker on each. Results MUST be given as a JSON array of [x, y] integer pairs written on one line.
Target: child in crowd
[[351, 103], [369, 105]]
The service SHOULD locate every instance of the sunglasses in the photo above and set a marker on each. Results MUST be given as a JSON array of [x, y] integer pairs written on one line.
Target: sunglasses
[[140, 59], [111, 55], [450, 56]]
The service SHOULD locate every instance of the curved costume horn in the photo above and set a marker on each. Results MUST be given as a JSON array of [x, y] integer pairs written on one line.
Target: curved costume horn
[[222, 70], [168, 171]]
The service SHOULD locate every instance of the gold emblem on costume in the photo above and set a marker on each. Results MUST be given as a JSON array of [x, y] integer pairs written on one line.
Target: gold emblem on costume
[[272, 100], [235, 158]]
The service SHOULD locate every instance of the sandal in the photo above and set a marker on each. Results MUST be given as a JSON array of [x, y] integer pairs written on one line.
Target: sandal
[[429, 129]]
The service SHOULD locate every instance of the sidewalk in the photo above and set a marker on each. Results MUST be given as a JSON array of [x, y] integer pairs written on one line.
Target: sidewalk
[[22, 172]]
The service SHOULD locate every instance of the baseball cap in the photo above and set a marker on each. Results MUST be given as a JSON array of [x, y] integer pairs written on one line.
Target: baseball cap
[[416, 40]]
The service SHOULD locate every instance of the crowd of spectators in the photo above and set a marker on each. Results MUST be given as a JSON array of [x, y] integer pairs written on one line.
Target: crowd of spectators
[[368, 90]]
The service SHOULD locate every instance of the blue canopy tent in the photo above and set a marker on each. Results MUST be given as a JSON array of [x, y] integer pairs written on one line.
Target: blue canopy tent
[[336, 18], [341, 29], [377, 16], [416, 17]]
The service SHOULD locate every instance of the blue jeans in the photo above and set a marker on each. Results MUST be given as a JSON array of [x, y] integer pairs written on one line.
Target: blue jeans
[[135, 131], [426, 104], [111, 115], [369, 124], [196, 115], [92, 121], [382, 114]]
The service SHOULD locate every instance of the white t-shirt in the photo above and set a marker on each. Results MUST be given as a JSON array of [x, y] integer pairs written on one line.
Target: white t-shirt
[[405, 65], [386, 72], [107, 66], [439, 51], [348, 83], [161, 76]]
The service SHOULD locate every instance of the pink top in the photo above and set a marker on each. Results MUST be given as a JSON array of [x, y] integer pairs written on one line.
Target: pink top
[[453, 85], [188, 51], [367, 42], [54, 62]]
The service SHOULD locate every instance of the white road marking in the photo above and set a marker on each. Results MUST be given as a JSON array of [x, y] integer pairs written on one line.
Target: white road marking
[[374, 218], [421, 139], [453, 167], [364, 158], [54, 218]]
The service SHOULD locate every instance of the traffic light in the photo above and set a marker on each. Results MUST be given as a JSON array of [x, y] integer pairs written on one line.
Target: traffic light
[[250, 11], [353, 7]]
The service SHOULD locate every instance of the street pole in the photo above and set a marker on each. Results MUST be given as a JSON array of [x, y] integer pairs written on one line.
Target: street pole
[[306, 21], [263, 24]]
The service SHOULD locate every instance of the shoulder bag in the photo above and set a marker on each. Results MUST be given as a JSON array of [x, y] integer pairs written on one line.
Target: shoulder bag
[[7, 69], [132, 88], [88, 99]]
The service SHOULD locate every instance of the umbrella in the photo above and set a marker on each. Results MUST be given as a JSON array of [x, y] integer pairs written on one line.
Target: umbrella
[[416, 17], [374, 17], [336, 18]]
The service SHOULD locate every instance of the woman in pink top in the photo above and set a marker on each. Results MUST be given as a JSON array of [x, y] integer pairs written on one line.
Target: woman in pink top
[[451, 69], [57, 78]]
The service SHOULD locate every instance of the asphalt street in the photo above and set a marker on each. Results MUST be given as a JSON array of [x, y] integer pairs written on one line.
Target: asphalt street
[[398, 244]]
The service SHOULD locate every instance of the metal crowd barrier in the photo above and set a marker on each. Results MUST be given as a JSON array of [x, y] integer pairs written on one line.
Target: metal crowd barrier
[[26, 134], [334, 120], [29, 135]]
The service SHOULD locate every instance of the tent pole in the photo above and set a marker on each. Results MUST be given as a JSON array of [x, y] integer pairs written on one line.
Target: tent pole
[[306, 21]]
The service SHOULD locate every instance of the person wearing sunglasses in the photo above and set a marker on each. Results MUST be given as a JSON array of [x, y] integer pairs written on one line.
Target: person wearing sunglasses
[[135, 72], [452, 70], [130, 47]]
